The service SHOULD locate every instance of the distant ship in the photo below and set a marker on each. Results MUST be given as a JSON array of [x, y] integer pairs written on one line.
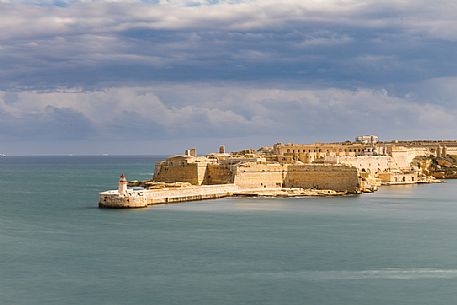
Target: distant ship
[[2, 155]]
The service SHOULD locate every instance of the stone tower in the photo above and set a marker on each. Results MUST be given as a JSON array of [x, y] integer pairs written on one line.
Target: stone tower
[[122, 184]]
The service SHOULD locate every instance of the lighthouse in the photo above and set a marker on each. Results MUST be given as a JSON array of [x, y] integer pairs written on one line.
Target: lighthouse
[[122, 184]]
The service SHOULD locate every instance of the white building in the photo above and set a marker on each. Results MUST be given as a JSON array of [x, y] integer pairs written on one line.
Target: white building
[[368, 139]]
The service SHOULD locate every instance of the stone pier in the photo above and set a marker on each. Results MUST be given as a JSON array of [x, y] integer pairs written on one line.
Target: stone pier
[[143, 198]]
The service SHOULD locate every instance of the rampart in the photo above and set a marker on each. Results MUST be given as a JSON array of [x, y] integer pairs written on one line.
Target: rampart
[[219, 174], [369, 164], [182, 169], [252, 175], [339, 178]]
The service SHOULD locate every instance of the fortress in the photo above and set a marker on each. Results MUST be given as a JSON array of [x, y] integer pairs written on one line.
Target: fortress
[[285, 170]]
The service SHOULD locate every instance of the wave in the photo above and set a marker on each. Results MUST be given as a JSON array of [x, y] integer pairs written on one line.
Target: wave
[[383, 274]]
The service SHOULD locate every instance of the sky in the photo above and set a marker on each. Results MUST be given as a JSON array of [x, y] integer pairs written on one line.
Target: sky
[[158, 77]]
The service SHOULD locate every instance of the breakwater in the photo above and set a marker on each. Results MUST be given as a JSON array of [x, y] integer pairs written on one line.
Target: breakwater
[[142, 198]]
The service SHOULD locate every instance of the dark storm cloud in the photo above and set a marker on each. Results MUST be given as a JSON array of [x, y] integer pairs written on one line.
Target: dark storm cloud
[[52, 123], [157, 70], [91, 43]]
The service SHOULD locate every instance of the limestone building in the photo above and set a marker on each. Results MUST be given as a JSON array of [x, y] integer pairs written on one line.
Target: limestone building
[[343, 166], [285, 170], [250, 170]]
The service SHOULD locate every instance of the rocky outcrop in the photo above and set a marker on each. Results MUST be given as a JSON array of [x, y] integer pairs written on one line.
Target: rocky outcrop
[[438, 167]]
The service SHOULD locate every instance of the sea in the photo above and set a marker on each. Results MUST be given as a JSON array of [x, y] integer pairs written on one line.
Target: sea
[[395, 246]]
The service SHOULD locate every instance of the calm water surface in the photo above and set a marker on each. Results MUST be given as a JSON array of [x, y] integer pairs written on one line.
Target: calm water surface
[[397, 246]]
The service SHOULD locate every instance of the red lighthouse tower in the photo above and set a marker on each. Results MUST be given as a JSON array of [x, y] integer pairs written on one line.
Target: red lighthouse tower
[[122, 184]]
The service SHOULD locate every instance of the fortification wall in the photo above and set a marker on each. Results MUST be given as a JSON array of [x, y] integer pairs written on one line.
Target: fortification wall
[[403, 156], [369, 164], [324, 177], [330, 177], [180, 173], [399, 178], [217, 174], [201, 173], [309, 152], [451, 151], [259, 175]]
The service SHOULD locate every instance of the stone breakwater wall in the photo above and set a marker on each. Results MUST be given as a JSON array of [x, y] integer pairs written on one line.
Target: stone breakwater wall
[[249, 179], [132, 199], [143, 198]]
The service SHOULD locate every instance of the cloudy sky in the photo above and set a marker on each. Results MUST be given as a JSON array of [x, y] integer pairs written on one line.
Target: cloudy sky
[[156, 77]]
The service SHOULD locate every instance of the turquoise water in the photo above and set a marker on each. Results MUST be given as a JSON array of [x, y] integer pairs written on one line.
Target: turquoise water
[[396, 246]]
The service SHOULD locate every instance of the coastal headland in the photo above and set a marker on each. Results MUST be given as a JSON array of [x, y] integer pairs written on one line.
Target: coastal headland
[[289, 170]]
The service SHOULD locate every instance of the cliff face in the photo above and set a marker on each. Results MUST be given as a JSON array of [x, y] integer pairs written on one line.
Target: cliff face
[[438, 167]]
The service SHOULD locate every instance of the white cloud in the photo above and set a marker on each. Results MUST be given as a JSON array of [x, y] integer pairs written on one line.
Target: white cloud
[[324, 40], [221, 110], [92, 42], [114, 50], [24, 20]]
